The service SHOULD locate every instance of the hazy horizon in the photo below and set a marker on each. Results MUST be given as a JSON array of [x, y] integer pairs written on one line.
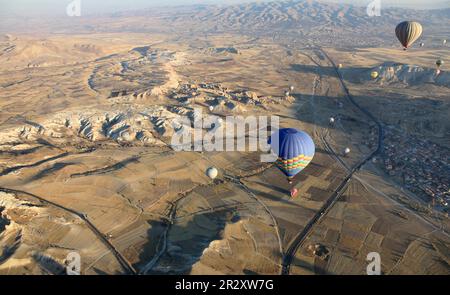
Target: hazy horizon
[[58, 7]]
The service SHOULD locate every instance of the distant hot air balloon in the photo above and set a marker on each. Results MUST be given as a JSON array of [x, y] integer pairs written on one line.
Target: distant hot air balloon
[[408, 32], [374, 74], [439, 63], [347, 151], [444, 41], [332, 120], [295, 150], [212, 172]]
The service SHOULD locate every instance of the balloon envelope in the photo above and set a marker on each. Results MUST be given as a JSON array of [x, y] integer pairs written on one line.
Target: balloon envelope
[[374, 75], [212, 172], [408, 32], [295, 150]]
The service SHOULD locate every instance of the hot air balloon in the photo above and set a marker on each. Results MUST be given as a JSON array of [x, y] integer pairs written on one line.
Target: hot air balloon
[[295, 150], [444, 41], [439, 63], [347, 151], [408, 32], [332, 120], [212, 172], [374, 74]]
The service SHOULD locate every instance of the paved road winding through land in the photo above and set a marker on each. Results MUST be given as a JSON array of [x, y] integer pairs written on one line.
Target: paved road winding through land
[[302, 235]]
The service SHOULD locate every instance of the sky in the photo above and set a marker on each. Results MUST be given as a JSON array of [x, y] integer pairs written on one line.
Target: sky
[[56, 7]]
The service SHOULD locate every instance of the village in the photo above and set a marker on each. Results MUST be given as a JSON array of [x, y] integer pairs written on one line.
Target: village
[[419, 165]]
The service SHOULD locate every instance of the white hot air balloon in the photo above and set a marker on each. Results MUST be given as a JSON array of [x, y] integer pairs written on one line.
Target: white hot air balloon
[[212, 172], [332, 120]]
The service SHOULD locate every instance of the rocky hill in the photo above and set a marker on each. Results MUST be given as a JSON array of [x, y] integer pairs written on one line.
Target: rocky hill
[[312, 22], [332, 23]]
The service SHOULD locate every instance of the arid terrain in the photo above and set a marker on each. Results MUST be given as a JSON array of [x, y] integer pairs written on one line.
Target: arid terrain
[[89, 105]]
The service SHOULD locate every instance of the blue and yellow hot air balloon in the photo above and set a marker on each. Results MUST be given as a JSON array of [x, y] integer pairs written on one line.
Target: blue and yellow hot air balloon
[[295, 150]]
